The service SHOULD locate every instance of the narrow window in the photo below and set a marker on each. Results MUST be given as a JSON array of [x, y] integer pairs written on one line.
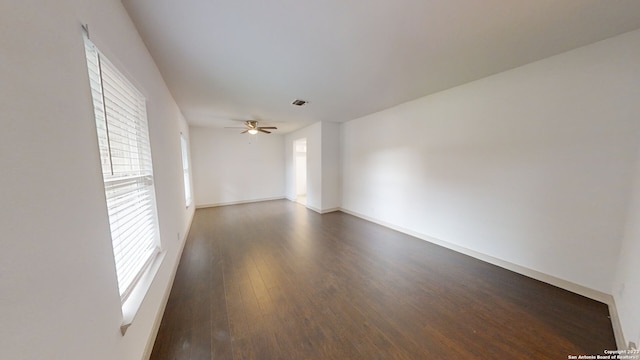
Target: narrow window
[[185, 170], [125, 153]]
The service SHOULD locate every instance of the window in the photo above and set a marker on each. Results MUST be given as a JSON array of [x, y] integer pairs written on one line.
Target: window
[[125, 153], [185, 170]]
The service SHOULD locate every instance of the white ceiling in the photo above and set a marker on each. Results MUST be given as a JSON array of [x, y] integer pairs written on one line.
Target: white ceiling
[[249, 59]]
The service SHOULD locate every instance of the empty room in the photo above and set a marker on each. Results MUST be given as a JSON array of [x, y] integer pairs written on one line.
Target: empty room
[[217, 179]]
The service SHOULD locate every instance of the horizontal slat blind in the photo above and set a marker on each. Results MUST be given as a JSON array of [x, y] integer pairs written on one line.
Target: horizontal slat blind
[[98, 104], [125, 152]]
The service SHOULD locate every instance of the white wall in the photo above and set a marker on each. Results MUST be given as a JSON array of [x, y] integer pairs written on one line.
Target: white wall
[[300, 166], [229, 167], [301, 174], [532, 166], [323, 165], [627, 286], [331, 169], [58, 288], [313, 134]]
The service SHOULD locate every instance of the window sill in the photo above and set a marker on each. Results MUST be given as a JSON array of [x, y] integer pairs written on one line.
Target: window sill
[[131, 306]]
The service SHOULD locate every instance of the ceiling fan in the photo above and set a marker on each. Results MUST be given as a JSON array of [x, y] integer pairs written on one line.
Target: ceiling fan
[[251, 127]]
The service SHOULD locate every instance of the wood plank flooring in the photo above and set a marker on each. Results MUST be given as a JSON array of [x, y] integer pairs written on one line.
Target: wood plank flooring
[[273, 280]]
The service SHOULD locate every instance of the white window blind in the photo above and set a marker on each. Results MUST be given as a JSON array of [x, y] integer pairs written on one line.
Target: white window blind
[[125, 153], [185, 170]]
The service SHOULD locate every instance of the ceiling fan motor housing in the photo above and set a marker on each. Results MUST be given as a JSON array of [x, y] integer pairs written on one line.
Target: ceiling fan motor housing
[[253, 128]]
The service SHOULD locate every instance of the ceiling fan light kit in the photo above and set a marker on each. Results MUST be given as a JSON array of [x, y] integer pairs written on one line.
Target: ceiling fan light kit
[[251, 127]]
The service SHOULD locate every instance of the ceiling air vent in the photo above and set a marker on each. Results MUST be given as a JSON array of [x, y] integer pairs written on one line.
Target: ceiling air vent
[[298, 102]]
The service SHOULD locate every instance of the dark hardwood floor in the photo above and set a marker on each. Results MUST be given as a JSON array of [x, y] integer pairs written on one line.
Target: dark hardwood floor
[[273, 280]]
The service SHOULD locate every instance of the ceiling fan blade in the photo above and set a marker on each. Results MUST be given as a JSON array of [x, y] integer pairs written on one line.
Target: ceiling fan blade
[[268, 127], [244, 131], [264, 131], [235, 127]]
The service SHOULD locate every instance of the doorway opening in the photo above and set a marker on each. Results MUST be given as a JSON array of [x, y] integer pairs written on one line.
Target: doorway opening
[[300, 170]]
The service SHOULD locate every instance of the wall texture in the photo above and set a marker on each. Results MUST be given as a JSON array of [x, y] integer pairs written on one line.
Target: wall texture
[[627, 285], [323, 165], [532, 166], [331, 169], [58, 288], [313, 134], [229, 167]]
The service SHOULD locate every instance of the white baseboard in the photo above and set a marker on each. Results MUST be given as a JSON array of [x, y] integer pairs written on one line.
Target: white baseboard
[[617, 327], [320, 211], [165, 297], [202, 206], [549, 279]]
